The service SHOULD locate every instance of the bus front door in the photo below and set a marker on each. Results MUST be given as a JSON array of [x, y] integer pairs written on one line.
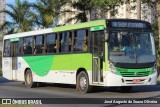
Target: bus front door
[[14, 53], [97, 61]]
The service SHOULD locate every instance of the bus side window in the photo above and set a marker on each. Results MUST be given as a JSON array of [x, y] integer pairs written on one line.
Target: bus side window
[[27, 45], [20, 47], [51, 45], [80, 41], [65, 41], [39, 45], [6, 48]]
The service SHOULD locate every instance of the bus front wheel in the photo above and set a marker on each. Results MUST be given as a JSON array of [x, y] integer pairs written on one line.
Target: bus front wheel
[[83, 83], [29, 79]]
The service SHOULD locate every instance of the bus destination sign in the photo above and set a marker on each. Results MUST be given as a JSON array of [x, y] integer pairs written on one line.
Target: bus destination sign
[[14, 39], [129, 24]]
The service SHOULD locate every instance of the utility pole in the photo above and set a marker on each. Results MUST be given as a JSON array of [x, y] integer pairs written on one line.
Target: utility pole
[[139, 9]]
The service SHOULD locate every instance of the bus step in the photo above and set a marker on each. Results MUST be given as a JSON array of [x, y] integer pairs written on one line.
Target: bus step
[[98, 83]]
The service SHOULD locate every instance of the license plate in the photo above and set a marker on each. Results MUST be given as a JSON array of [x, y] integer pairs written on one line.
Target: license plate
[[136, 80]]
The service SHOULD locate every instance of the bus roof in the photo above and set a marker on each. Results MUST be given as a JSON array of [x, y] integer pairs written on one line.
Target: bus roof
[[71, 27], [58, 29]]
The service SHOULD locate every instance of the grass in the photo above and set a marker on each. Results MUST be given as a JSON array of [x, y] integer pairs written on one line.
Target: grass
[[16, 105]]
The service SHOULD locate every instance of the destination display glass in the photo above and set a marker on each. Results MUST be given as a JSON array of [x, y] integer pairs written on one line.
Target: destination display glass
[[128, 24]]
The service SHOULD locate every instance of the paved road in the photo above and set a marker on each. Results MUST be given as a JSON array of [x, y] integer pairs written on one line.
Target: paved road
[[12, 89]]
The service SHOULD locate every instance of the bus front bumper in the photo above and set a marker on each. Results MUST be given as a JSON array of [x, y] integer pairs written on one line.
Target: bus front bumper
[[117, 80]]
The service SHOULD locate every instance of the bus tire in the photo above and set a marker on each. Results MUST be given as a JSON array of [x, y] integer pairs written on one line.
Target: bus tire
[[83, 83], [126, 88], [29, 79]]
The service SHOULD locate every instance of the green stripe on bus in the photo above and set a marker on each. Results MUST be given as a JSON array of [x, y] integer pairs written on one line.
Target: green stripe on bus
[[80, 26], [41, 65]]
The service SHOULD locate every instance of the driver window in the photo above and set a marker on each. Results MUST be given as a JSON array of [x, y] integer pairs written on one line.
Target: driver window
[[113, 41]]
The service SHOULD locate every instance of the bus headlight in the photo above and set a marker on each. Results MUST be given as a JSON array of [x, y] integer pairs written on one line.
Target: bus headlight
[[112, 68]]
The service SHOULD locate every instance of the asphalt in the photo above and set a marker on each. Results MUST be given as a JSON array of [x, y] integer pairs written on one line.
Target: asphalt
[[14, 89]]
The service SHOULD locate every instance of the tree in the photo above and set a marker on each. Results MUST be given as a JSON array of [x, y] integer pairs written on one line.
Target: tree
[[49, 11], [158, 48], [106, 6], [158, 14], [156, 28], [22, 17], [81, 7], [42, 19], [86, 7], [157, 11]]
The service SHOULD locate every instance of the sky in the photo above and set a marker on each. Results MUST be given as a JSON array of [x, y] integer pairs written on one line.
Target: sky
[[12, 2]]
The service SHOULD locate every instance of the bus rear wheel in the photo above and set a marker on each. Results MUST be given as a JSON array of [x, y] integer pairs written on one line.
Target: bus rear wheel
[[126, 88], [83, 83], [29, 79]]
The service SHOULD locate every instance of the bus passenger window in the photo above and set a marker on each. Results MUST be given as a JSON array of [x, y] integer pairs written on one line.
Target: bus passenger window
[[80, 41], [27, 45], [6, 48], [20, 47], [39, 45], [51, 43], [65, 41]]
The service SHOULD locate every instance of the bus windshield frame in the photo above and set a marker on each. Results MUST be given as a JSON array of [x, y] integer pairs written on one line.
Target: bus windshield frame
[[131, 47]]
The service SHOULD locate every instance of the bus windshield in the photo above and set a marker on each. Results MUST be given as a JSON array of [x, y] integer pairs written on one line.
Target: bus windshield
[[131, 47]]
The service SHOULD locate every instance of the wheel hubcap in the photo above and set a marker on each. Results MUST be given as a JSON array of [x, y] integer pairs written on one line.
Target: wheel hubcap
[[83, 83], [29, 79]]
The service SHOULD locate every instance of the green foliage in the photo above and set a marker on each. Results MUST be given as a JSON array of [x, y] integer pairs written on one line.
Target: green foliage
[[22, 17], [100, 3], [49, 11], [155, 28], [156, 33], [41, 17], [81, 6], [108, 5]]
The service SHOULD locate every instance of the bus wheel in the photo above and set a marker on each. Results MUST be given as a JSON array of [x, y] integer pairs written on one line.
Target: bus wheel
[[83, 83], [126, 88], [29, 79]]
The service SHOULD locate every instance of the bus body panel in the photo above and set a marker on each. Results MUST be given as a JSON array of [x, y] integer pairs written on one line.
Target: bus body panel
[[117, 80], [7, 68], [55, 68], [22, 67]]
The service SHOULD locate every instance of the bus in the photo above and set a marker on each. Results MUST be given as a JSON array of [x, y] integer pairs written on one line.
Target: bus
[[110, 52]]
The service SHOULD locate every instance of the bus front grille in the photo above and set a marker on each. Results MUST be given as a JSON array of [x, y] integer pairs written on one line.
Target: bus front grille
[[134, 74]]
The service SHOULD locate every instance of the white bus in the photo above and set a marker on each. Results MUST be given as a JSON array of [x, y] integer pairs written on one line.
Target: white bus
[[115, 52]]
